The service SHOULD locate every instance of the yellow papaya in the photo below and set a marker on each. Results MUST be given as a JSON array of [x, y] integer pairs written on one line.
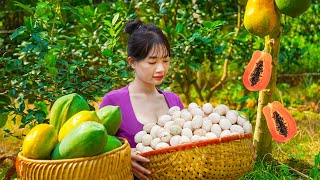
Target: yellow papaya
[[111, 118], [65, 107], [75, 120], [40, 142], [261, 17]]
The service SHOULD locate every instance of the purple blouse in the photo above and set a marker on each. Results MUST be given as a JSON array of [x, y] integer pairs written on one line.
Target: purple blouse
[[130, 126]]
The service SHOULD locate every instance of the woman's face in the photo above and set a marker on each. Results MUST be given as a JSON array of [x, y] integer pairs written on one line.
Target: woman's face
[[152, 69]]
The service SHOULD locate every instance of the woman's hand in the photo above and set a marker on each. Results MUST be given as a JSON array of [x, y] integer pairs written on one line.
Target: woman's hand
[[138, 170]]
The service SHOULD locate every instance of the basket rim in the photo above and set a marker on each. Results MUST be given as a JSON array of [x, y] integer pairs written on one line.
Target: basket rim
[[200, 143], [73, 160]]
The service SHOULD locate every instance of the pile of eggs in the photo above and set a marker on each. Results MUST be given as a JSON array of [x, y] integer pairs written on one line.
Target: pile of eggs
[[190, 125]]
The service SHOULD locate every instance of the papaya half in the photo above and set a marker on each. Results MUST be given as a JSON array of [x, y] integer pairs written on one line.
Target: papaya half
[[39, 142], [261, 17], [87, 139], [111, 118], [65, 107], [257, 74], [75, 120], [292, 8], [280, 122]]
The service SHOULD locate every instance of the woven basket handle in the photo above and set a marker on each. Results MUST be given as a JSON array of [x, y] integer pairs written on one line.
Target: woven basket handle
[[12, 169]]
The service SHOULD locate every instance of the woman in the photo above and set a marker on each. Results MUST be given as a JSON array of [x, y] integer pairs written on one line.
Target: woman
[[141, 102]]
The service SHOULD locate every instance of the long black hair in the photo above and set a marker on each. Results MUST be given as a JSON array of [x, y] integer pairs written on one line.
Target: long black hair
[[144, 37]]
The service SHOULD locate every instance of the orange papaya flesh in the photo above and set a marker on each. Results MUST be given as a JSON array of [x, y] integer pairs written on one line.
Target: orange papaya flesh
[[280, 122], [258, 72]]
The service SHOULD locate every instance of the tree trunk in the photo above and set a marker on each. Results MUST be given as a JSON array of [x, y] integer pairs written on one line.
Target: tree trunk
[[262, 138]]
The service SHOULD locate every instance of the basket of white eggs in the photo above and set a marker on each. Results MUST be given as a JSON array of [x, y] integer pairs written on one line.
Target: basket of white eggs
[[199, 142]]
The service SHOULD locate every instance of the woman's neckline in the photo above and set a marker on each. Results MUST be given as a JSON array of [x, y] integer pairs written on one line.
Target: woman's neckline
[[131, 107]]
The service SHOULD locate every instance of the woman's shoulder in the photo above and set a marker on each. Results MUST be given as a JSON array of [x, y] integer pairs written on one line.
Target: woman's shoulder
[[117, 92], [113, 97]]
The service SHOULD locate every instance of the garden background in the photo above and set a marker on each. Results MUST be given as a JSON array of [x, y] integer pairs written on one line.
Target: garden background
[[52, 48]]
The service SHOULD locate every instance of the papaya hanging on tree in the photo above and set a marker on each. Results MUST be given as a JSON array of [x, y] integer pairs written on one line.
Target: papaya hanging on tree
[[261, 17], [280, 122], [257, 75], [292, 8]]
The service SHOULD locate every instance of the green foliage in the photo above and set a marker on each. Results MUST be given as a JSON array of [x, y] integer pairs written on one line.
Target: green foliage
[[55, 59]]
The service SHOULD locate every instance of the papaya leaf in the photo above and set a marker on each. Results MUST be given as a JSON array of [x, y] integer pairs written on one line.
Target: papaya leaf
[[107, 52], [25, 7], [194, 66], [40, 116], [3, 119], [19, 31], [242, 99], [179, 28], [4, 100], [115, 19], [21, 106], [29, 24]]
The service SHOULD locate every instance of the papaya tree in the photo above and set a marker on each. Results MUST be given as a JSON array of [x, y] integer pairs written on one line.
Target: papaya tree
[[263, 18]]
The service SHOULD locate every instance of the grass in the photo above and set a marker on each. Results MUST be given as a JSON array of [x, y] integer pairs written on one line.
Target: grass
[[295, 159]]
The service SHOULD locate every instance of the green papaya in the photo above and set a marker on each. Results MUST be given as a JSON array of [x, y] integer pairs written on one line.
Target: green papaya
[[87, 139], [39, 142], [293, 8], [261, 17], [112, 144], [65, 107], [111, 118]]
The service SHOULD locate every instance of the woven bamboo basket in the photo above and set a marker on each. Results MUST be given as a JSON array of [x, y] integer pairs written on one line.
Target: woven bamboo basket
[[113, 165], [226, 158]]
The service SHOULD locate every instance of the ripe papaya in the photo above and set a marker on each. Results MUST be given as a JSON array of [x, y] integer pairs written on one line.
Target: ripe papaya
[[39, 142], [111, 118], [292, 8], [261, 17], [280, 122], [75, 120], [257, 75], [65, 107], [112, 144], [87, 139]]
